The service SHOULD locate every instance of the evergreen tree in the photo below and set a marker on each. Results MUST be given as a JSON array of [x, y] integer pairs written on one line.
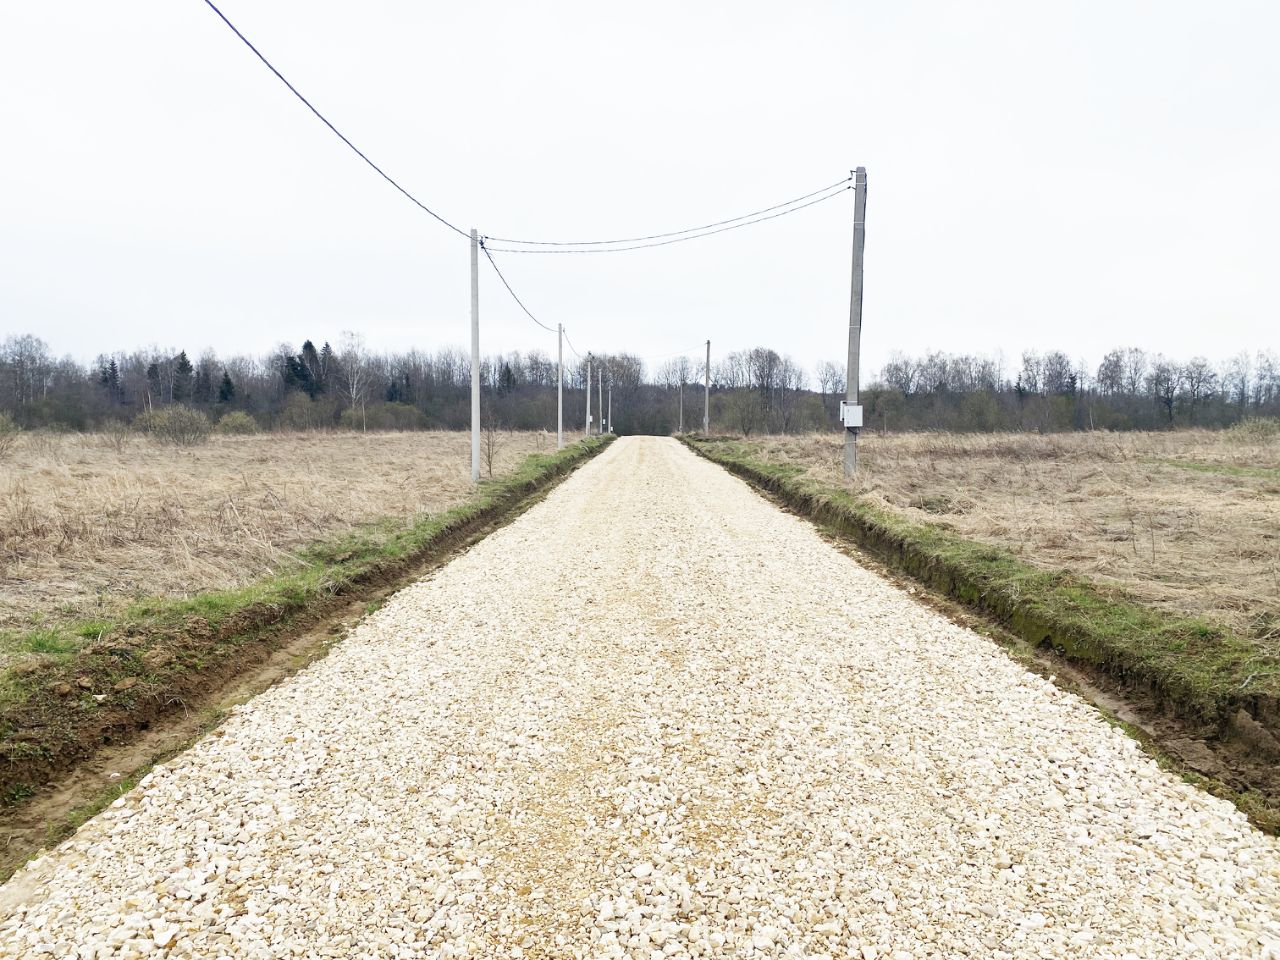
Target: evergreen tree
[[153, 382], [109, 377], [314, 366], [226, 389], [182, 377], [328, 366], [297, 376]]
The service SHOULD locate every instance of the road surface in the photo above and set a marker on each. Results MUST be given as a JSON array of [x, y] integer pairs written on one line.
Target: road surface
[[657, 717]]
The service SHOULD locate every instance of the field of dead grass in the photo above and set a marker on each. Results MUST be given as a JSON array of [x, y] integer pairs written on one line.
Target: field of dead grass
[[90, 523], [1187, 521]]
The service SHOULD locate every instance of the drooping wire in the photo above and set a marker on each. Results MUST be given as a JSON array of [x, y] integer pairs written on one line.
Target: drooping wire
[[695, 236], [325, 121], [493, 263], [673, 233], [571, 346]]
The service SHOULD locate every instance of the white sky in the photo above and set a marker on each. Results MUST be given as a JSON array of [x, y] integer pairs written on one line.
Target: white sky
[[1070, 175]]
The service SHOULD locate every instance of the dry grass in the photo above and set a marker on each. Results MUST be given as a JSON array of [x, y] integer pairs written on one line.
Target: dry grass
[[89, 523], [1186, 521]]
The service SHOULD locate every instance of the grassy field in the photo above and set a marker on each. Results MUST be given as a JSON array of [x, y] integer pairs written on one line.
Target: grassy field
[[91, 524], [1187, 522]]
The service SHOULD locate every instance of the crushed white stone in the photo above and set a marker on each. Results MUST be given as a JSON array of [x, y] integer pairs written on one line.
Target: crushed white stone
[[655, 718]]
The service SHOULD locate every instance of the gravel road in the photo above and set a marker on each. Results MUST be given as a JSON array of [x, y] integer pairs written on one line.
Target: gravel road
[[657, 717]]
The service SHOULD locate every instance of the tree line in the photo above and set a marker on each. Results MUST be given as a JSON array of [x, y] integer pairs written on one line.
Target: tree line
[[752, 391], [1130, 389]]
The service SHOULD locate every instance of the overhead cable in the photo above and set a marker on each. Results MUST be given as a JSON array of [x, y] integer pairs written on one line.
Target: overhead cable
[[494, 264], [571, 346], [324, 120], [663, 243], [673, 233]]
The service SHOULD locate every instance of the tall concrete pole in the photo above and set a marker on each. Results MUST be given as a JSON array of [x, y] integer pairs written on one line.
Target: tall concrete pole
[[706, 396], [586, 426], [681, 393], [475, 357], [560, 386], [855, 319], [611, 408], [600, 396]]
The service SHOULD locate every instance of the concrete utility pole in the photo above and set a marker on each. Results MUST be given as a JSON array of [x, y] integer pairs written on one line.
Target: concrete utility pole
[[681, 394], [600, 396], [611, 408], [706, 397], [475, 356], [560, 386], [586, 427], [851, 412]]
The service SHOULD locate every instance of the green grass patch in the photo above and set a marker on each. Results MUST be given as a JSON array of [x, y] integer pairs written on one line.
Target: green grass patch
[[1206, 671], [1223, 469], [50, 641]]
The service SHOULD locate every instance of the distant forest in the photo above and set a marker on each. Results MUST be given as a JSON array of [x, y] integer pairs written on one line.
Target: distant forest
[[752, 391]]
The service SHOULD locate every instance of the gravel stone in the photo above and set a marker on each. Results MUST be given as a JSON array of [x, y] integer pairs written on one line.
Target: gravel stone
[[655, 717]]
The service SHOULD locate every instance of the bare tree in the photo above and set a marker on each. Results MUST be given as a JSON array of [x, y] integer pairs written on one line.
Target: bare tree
[[1237, 375], [1164, 382], [831, 383], [353, 362], [1199, 382]]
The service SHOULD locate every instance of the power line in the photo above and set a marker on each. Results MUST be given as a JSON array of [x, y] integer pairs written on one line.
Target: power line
[[663, 243], [494, 264], [324, 120], [673, 233], [571, 346], [604, 246]]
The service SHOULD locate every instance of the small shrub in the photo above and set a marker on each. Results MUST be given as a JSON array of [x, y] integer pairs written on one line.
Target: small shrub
[[383, 416], [178, 425], [9, 431], [116, 435], [237, 423], [1255, 430], [302, 413]]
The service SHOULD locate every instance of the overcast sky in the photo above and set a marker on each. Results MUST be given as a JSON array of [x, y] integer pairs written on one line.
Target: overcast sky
[[1070, 175]]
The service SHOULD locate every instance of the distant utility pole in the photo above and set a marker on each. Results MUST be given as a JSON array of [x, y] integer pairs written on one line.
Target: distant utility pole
[[850, 411], [586, 428], [611, 406], [706, 396], [681, 395], [475, 356], [600, 396], [560, 386]]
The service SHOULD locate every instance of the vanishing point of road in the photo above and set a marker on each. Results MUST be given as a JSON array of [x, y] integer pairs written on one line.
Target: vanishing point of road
[[655, 717]]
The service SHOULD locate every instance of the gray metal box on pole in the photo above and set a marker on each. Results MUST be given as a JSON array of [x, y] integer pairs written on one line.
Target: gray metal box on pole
[[850, 411]]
